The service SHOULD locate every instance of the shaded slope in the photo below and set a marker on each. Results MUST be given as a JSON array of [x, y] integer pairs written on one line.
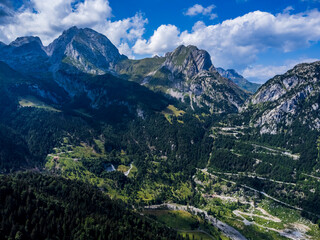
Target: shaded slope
[[14, 154], [26, 55]]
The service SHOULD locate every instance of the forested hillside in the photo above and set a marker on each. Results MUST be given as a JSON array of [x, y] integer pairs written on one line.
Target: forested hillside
[[36, 206]]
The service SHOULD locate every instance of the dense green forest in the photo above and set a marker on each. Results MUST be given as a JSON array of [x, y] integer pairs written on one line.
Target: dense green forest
[[256, 159], [37, 206]]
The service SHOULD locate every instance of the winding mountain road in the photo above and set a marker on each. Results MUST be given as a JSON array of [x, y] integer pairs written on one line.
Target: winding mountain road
[[255, 190]]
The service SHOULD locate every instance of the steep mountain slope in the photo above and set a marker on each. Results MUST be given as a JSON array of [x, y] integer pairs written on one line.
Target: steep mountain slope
[[8, 76], [68, 60], [104, 92], [84, 49], [25, 54], [187, 74], [239, 80], [138, 70], [286, 99], [14, 154], [15, 85]]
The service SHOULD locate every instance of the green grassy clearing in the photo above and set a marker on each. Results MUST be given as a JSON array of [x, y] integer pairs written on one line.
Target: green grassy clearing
[[34, 102], [181, 220], [171, 111], [68, 160]]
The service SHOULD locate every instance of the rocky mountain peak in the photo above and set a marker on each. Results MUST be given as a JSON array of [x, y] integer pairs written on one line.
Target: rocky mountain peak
[[25, 54], [188, 61], [283, 85], [20, 41], [29, 45], [62, 41], [86, 50]]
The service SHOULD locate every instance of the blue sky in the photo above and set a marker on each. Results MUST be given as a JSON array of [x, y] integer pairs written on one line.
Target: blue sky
[[171, 11], [257, 38]]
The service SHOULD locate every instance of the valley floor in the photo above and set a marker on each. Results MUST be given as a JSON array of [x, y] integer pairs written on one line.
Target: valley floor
[[254, 213], [227, 209]]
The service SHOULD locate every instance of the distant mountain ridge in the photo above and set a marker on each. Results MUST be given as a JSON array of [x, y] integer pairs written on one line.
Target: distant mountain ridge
[[186, 74], [239, 80]]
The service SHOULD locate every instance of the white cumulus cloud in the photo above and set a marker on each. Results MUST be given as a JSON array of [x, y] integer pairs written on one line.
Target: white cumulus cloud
[[198, 9], [124, 32], [262, 73], [47, 19], [164, 38]]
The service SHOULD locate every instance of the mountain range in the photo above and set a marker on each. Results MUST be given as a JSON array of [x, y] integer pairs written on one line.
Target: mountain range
[[239, 80], [170, 129]]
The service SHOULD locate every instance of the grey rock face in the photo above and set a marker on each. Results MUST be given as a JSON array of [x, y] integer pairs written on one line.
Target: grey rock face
[[84, 49], [208, 89], [291, 82], [293, 96], [189, 74], [188, 61], [274, 92]]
